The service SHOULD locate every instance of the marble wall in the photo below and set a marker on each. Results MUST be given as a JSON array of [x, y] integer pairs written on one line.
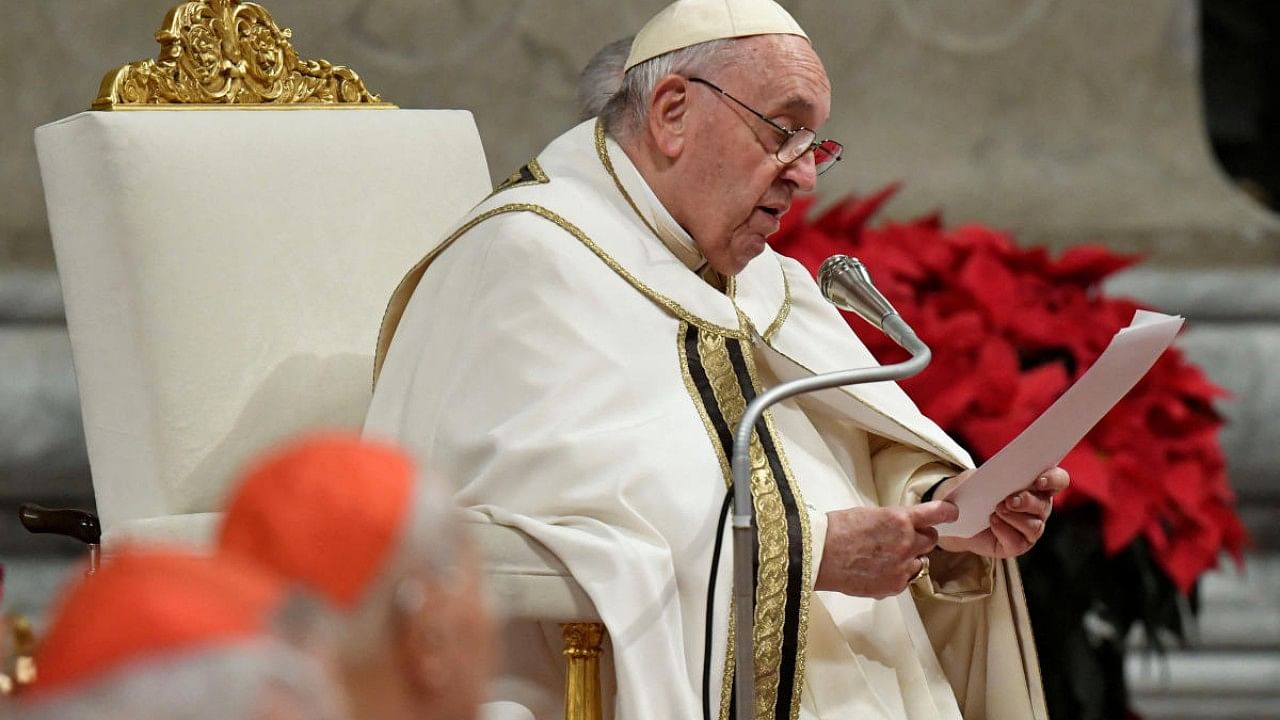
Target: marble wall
[[1065, 120]]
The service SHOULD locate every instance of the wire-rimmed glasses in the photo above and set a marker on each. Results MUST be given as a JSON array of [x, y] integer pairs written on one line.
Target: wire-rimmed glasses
[[796, 143]]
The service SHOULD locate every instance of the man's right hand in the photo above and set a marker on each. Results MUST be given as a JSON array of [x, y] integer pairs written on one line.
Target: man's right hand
[[875, 552]]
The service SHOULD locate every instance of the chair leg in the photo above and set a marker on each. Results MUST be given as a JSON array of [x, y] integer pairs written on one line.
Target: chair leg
[[582, 679]]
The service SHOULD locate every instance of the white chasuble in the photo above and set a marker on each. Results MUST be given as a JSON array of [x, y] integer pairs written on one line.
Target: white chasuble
[[559, 360]]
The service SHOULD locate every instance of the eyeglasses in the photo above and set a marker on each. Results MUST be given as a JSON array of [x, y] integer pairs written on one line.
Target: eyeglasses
[[826, 153]]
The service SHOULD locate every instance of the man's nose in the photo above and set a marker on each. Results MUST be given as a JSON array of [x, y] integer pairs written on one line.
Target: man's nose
[[803, 172]]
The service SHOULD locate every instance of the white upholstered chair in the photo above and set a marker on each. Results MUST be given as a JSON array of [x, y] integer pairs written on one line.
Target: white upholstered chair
[[227, 236]]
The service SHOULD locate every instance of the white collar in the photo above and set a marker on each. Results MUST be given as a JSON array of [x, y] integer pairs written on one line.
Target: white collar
[[652, 211]]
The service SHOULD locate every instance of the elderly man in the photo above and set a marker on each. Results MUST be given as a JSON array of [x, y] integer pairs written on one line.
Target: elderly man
[[165, 635], [574, 358], [355, 523]]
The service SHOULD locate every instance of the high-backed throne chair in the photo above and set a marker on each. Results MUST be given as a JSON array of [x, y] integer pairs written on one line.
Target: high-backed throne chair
[[228, 222]]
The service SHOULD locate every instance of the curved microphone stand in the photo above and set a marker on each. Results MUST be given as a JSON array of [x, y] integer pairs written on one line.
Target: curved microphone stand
[[845, 283]]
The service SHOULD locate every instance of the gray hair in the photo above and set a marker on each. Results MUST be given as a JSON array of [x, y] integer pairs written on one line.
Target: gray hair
[[231, 682], [628, 110], [602, 77]]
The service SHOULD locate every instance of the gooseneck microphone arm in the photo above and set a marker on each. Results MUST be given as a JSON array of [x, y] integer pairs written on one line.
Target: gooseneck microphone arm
[[845, 283]]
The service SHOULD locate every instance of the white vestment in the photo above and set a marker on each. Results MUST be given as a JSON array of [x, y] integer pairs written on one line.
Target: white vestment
[[560, 363]]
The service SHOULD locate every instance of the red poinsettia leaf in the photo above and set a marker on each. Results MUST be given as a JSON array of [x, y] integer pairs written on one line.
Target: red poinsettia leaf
[[1120, 528], [1135, 498], [893, 257], [938, 256], [860, 212], [1033, 326], [1192, 551], [1030, 261], [811, 247], [1071, 498], [1089, 264], [946, 404], [794, 222], [931, 221], [1089, 472], [990, 282], [1191, 381], [996, 378], [981, 237], [1234, 536], [1184, 481], [1040, 386], [963, 331], [986, 435]]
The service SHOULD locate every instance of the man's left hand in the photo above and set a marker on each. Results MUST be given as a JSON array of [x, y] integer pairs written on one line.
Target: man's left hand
[[1018, 521]]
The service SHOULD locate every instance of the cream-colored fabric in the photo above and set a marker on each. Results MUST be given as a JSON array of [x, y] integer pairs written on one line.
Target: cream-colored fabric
[[689, 22], [526, 580], [195, 531], [225, 273], [537, 367]]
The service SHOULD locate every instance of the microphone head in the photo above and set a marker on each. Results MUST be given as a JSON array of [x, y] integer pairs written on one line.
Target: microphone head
[[845, 283]]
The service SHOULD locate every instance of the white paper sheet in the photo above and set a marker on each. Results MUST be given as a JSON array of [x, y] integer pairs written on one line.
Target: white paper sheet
[[1051, 436]]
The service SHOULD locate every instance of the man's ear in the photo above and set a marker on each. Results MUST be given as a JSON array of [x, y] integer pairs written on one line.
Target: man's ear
[[669, 116]]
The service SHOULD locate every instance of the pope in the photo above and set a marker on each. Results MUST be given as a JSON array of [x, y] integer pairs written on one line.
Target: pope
[[573, 359]]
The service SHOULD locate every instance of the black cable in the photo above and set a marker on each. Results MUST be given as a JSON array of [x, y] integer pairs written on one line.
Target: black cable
[[711, 605]]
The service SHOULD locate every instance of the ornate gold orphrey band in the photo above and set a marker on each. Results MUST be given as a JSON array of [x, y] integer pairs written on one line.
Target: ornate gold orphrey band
[[230, 54]]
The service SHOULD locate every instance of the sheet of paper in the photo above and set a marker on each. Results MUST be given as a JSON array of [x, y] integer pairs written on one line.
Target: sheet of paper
[[1051, 436]]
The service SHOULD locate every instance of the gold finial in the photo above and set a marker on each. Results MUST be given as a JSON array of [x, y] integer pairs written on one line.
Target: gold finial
[[229, 53]]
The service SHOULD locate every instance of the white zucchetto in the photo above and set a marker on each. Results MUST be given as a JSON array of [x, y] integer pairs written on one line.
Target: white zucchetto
[[688, 22]]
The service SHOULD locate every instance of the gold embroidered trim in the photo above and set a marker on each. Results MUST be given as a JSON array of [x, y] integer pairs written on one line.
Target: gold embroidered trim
[[602, 150], [802, 632], [771, 588], [536, 176], [771, 521], [730, 663], [726, 679], [672, 306], [783, 311], [400, 297], [724, 386], [404, 290], [696, 396]]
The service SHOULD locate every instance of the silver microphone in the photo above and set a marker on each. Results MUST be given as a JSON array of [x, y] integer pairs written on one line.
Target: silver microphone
[[845, 283]]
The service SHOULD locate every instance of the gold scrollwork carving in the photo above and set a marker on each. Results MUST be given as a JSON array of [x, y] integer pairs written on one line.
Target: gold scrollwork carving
[[228, 52]]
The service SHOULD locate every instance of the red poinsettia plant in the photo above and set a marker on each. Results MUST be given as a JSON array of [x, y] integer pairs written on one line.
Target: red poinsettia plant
[[1011, 328]]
